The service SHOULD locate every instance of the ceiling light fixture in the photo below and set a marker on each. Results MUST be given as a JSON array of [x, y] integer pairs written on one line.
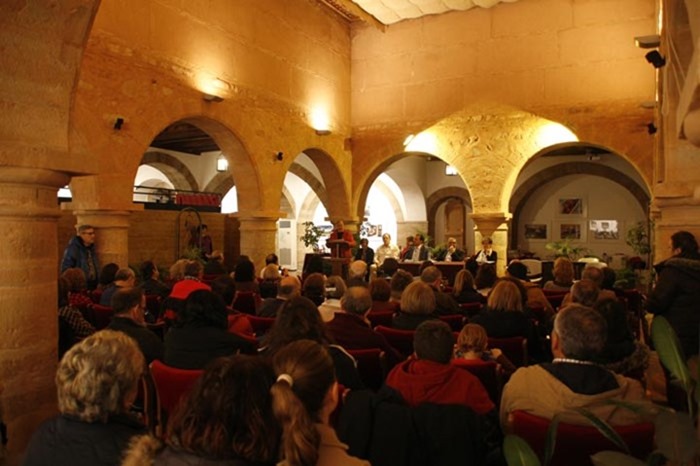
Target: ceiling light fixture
[[323, 132], [221, 163], [450, 170], [647, 42], [212, 98]]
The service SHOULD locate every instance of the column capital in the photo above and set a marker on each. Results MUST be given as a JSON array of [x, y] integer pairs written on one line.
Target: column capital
[[258, 220], [102, 218], [488, 222], [30, 192]]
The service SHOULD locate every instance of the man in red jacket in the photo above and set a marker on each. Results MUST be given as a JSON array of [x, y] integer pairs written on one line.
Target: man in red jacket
[[429, 377]]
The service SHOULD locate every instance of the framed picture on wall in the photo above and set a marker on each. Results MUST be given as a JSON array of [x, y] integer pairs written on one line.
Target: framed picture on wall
[[536, 231], [604, 229], [572, 230], [570, 206]]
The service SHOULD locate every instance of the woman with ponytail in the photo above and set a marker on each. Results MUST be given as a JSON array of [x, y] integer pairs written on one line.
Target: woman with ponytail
[[303, 398]]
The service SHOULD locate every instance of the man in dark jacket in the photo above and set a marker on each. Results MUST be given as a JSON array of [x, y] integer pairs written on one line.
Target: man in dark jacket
[[81, 253], [129, 305], [676, 295]]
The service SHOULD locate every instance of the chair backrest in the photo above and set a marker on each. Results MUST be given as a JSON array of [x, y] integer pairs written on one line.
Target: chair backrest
[[380, 318], [471, 309], [514, 348], [171, 385], [486, 372], [402, 340], [371, 365], [575, 444], [246, 302], [102, 316], [261, 325], [555, 298], [455, 321]]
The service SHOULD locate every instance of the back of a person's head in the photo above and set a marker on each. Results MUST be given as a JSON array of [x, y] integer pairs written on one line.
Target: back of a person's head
[[147, 270], [272, 259], [124, 275], [297, 319], [390, 266], [203, 308], [193, 268], [314, 288], [75, 278], [581, 331], [379, 289], [97, 377], [357, 269], [593, 273], [463, 281], [518, 270], [107, 273], [472, 338], [563, 270], [244, 272], [424, 265], [228, 413], [399, 281], [335, 286], [289, 287], [486, 276], [177, 270], [356, 300], [271, 272], [125, 299], [434, 341], [225, 287], [686, 243], [585, 292], [305, 378], [505, 296], [472, 266], [418, 298], [430, 275], [609, 278]]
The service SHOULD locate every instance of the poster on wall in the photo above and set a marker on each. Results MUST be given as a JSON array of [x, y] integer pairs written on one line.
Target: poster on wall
[[534, 231], [604, 229], [572, 231], [571, 206]]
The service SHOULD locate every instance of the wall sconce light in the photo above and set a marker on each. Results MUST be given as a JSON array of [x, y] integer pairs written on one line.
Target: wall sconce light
[[651, 128], [323, 132], [655, 58], [221, 164], [212, 98], [647, 42], [450, 170]]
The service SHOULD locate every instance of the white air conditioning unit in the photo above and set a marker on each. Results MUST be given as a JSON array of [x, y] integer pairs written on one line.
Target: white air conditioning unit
[[287, 243]]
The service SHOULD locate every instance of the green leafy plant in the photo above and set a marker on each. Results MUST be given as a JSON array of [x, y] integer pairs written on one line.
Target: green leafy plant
[[638, 239], [192, 253], [565, 248], [312, 235]]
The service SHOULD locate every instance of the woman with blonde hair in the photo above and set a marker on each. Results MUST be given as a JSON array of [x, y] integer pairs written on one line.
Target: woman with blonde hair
[[303, 398], [473, 344], [417, 305], [563, 272], [504, 316], [464, 291], [97, 381]]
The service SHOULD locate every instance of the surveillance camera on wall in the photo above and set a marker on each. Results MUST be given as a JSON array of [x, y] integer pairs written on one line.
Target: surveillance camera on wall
[[279, 156]]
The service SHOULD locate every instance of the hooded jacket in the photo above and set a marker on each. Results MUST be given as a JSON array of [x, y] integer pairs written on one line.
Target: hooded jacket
[[677, 296], [422, 381]]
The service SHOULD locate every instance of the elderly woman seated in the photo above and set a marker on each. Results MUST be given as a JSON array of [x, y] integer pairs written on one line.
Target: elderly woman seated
[[97, 381]]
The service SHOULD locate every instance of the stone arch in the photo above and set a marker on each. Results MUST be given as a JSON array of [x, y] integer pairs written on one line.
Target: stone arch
[[220, 183], [337, 197], [309, 206], [389, 194], [309, 178], [287, 203], [177, 172], [438, 197]]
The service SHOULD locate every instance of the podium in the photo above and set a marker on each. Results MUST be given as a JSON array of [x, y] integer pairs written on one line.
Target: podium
[[340, 257]]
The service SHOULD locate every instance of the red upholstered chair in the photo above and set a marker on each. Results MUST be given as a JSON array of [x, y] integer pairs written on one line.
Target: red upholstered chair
[[575, 444], [402, 340], [514, 348], [171, 385], [555, 297], [102, 316], [455, 321], [471, 309], [486, 372], [261, 325], [246, 302], [371, 365], [95, 295], [380, 318]]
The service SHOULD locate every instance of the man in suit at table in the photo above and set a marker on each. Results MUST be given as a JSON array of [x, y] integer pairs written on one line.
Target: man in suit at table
[[340, 241], [452, 253], [419, 251]]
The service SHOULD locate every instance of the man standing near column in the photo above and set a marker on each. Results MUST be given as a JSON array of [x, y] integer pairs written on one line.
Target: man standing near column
[[81, 253]]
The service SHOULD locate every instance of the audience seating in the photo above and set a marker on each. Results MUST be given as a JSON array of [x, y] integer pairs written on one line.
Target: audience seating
[[371, 365], [102, 316], [402, 340], [455, 321], [95, 295], [171, 385], [555, 297], [261, 325], [514, 348], [246, 302], [471, 309], [486, 372], [383, 318], [575, 444]]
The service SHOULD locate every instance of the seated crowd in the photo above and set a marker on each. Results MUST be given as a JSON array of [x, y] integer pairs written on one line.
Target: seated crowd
[[283, 371]]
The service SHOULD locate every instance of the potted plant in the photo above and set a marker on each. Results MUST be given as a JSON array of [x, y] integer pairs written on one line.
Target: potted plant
[[312, 235], [565, 248]]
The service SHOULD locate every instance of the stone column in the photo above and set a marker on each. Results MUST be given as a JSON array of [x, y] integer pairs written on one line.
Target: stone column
[[258, 231], [111, 234], [495, 226], [28, 318]]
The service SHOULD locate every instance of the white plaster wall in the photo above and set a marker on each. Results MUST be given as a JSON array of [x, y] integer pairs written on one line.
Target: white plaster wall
[[603, 200]]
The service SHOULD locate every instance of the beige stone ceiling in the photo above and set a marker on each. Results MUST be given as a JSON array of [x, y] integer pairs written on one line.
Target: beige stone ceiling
[[393, 11]]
